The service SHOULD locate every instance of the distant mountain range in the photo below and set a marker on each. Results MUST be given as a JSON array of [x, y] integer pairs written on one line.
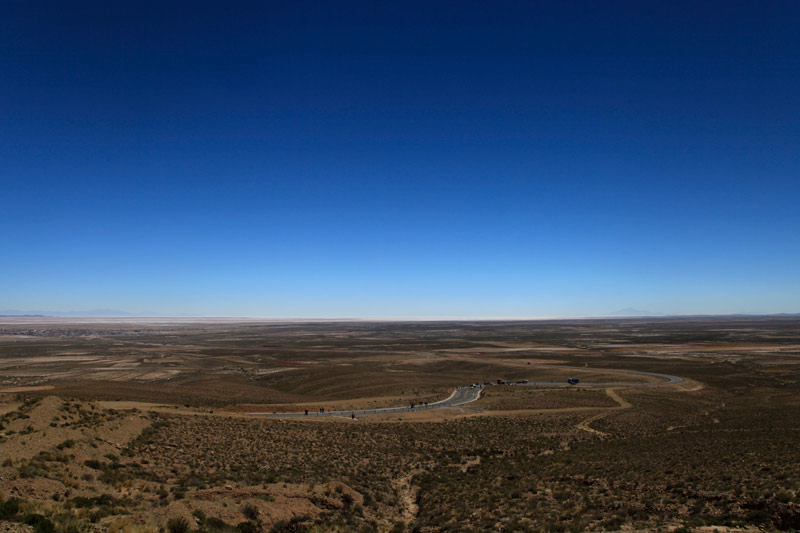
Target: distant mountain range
[[91, 313], [626, 312], [630, 311]]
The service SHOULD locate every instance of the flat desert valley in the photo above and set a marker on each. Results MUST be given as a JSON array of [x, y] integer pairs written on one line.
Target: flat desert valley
[[147, 425]]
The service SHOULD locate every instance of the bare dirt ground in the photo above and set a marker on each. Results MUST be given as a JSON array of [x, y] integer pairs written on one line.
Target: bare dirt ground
[[142, 425]]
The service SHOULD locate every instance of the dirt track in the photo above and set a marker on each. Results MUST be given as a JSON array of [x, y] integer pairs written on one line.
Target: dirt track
[[468, 394]]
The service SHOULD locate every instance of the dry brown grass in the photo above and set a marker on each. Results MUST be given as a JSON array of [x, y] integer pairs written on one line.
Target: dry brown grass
[[518, 398], [721, 451]]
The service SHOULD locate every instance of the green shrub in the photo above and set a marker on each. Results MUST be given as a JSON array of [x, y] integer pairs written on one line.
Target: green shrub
[[9, 509], [250, 512], [347, 500], [178, 524], [40, 523], [215, 524], [247, 527]]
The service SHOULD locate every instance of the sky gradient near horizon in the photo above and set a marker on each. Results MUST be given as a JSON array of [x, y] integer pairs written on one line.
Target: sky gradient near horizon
[[400, 159]]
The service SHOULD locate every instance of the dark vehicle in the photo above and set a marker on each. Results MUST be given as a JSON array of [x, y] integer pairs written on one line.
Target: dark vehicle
[[500, 381], [573, 381]]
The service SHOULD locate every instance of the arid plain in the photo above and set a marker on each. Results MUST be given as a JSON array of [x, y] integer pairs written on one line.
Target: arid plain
[[148, 425]]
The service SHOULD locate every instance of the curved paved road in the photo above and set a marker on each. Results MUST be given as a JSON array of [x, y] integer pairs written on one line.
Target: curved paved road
[[467, 394]]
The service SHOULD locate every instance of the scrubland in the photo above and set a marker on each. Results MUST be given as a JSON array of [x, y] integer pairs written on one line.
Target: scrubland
[[721, 450]]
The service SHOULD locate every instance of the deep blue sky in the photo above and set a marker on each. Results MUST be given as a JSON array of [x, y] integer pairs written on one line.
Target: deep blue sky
[[318, 159]]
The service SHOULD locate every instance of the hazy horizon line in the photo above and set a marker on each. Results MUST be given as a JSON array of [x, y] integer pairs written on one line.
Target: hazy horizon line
[[401, 318]]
